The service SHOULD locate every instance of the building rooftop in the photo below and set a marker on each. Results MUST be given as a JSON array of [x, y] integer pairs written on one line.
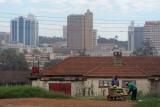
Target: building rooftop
[[104, 67]]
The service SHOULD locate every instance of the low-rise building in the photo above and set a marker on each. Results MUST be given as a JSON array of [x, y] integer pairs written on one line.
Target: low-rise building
[[91, 76]]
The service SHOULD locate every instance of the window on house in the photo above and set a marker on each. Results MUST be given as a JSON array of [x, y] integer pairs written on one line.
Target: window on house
[[104, 83], [124, 82]]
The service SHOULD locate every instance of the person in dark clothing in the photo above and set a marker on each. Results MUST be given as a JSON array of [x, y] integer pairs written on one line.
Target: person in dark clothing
[[115, 81], [132, 89]]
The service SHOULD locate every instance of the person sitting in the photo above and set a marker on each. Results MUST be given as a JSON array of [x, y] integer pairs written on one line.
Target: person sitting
[[115, 81], [132, 89]]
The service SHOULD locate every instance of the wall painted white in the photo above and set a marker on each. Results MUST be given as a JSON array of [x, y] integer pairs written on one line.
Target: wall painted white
[[91, 86]]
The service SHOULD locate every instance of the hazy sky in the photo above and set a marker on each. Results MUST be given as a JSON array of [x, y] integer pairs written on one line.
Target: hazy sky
[[111, 17]]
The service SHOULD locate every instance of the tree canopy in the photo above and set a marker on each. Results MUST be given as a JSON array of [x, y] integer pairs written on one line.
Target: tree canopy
[[12, 60]]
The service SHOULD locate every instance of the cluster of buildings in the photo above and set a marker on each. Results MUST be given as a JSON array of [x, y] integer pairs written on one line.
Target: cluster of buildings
[[138, 35], [92, 76], [87, 67]]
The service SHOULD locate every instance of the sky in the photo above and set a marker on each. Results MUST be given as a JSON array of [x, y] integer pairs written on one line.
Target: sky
[[111, 17]]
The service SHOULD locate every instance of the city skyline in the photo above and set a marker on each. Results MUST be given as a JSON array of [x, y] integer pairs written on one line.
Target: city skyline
[[111, 17]]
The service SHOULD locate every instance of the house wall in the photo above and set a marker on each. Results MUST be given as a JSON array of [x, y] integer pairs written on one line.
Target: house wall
[[143, 85], [76, 87], [91, 86]]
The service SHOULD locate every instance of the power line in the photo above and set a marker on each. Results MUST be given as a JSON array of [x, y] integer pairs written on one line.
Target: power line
[[98, 30], [51, 17]]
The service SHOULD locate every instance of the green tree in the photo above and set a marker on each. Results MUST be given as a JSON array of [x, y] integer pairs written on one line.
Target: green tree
[[52, 62], [36, 52], [12, 60]]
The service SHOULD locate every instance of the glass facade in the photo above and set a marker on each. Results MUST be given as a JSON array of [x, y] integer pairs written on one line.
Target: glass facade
[[25, 31]]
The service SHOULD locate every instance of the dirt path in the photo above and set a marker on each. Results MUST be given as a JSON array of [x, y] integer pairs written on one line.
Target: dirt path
[[36, 102]]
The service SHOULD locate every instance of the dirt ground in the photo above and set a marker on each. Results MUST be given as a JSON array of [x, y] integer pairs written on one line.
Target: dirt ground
[[36, 102]]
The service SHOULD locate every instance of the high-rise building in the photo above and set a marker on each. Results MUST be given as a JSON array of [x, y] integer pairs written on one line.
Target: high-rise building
[[65, 32], [88, 25], [152, 33], [135, 37], [80, 31], [94, 37], [24, 30]]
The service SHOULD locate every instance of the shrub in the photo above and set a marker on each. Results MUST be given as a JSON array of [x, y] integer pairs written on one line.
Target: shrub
[[150, 100], [28, 92], [148, 103]]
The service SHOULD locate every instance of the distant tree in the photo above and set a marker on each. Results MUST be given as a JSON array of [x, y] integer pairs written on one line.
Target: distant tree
[[12, 60], [102, 40], [50, 40], [52, 62], [36, 51]]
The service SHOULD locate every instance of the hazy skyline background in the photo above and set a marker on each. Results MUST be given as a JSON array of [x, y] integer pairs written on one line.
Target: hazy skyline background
[[111, 17]]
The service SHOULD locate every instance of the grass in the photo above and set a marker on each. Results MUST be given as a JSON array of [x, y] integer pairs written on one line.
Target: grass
[[102, 98], [150, 100], [28, 92]]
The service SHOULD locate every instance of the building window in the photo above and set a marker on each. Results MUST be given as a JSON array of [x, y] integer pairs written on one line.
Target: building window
[[125, 81], [104, 83]]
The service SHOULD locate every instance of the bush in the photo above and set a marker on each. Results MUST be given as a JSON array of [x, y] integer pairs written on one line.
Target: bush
[[149, 103], [28, 92], [150, 100]]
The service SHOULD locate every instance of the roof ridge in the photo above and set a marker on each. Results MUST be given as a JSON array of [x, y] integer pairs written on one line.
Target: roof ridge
[[92, 70], [141, 70]]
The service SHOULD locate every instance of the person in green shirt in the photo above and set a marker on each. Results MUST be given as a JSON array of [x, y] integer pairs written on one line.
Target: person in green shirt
[[132, 89]]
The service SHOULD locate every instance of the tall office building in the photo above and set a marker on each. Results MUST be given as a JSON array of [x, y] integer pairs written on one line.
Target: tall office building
[[24, 30], [80, 31], [65, 32], [152, 33], [135, 37], [94, 37]]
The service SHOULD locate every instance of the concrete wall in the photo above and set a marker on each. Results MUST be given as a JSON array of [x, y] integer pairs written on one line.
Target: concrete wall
[[76, 87], [91, 86], [143, 85]]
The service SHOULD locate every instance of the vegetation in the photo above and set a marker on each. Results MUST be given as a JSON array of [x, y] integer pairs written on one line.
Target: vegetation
[[91, 97], [28, 92], [12, 60], [151, 100], [102, 40], [52, 62], [50, 40]]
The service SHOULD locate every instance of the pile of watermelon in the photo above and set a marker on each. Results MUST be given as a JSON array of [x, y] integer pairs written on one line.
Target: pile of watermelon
[[117, 89]]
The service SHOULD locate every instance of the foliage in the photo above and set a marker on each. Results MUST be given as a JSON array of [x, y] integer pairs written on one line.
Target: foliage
[[117, 89], [91, 97], [28, 92], [52, 62], [102, 40], [150, 100], [36, 52], [12, 60], [50, 40]]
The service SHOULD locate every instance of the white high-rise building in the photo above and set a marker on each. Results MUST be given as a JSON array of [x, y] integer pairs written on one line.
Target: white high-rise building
[[65, 32], [135, 37], [131, 37]]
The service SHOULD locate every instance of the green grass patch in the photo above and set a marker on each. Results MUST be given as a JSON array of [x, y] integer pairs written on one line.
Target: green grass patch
[[148, 103], [91, 98], [150, 100], [28, 92]]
